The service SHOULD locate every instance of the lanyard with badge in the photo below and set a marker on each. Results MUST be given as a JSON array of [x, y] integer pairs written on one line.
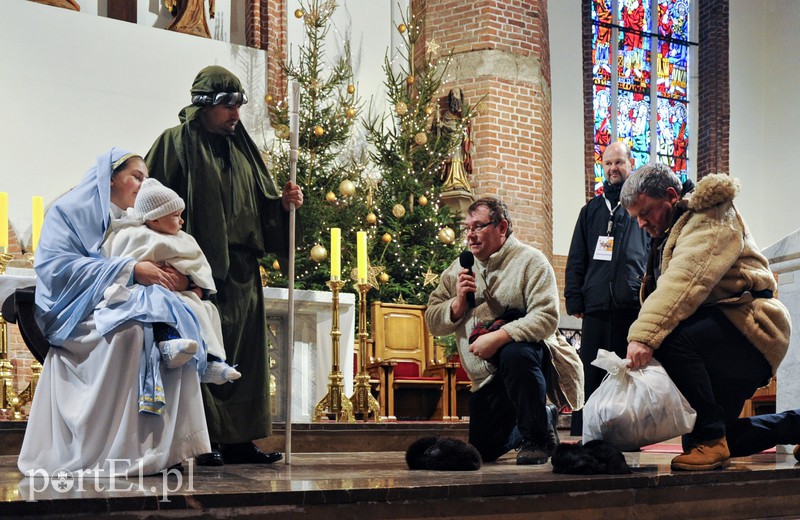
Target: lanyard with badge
[[605, 244]]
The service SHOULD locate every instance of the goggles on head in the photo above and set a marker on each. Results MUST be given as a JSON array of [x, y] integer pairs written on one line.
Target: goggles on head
[[220, 98]]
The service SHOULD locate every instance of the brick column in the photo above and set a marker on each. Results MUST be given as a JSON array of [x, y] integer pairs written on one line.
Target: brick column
[[501, 50], [275, 38], [713, 100], [588, 101]]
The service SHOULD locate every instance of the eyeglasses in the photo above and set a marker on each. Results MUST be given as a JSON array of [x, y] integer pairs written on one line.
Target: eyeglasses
[[477, 228], [220, 98]]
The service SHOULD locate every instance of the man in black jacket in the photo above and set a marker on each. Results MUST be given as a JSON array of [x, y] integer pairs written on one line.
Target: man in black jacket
[[604, 269]]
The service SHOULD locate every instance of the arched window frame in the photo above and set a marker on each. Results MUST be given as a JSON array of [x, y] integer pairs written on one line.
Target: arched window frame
[[607, 125]]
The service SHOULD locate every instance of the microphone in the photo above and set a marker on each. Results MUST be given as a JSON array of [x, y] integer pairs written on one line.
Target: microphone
[[467, 260]]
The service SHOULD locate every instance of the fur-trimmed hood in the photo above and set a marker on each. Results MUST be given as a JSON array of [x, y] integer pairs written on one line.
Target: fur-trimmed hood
[[712, 190]]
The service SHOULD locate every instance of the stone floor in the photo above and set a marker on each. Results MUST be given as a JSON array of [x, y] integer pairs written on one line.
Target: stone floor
[[378, 485]]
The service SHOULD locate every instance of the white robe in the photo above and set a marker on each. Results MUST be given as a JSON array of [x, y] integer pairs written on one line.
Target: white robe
[[182, 252], [85, 413]]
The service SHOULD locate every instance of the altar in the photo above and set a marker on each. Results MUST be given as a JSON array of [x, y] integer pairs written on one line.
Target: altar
[[313, 347]]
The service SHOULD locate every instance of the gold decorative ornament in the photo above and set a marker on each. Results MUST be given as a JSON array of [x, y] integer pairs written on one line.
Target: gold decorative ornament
[[398, 210], [432, 47], [330, 196], [384, 278], [447, 235], [351, 89], [298, 13], [350, 113], [410, 80], [429, 109], [268, 99], [276, 265], [386, 238], [371, 218], [421, 138], [402, 28], [319, 131], [282, 131], [423, 200], [401, 108], [347, 188], [430, 278], [319, 253]]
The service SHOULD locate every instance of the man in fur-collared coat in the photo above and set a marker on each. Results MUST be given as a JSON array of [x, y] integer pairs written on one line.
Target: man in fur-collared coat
[[708, 313]]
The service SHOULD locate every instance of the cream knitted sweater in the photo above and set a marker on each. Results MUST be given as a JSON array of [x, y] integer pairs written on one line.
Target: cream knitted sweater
[[515, 277]]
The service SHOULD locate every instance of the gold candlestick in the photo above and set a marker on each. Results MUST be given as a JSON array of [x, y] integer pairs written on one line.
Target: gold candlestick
[[5, 258], [364, 403], [335, 403], [9, 399]]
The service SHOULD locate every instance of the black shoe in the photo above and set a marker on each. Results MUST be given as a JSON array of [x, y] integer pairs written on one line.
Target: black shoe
[[176, 467], [248, 453], [552, 429], [214, 458], [530, 453]]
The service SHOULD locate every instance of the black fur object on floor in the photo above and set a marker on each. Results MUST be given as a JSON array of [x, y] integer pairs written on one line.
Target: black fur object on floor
[[442, 454], [593, 458]]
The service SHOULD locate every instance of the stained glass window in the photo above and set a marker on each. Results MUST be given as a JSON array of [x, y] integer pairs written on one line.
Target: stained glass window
[[650, 36]]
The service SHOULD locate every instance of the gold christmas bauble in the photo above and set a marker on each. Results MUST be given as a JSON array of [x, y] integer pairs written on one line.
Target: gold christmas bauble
[[268, 99], [347, 188], [298, 13], [319, 253], [319, 131], [330, 196], [402, 28], [351, 89], [421, 138], [429, 109], [383, 277], [276, 265], [447, 235], [282, 131], [371, 218], [401, 108], [386, 238], [350, 113], [410, 80], [398, 210], [423, 200]]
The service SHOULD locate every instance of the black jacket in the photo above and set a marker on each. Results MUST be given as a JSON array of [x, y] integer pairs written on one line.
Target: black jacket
[[596, 285]]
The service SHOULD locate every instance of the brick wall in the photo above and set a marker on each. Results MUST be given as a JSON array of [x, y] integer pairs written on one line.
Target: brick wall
[[713, 98], [501, 50]]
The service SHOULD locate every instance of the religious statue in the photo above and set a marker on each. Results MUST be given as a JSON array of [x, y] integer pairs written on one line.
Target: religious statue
[[65, 4], [189, 16], [459, 164]]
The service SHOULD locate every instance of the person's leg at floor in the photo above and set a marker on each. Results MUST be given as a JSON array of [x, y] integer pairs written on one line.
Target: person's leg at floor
[[594, 335], [714, 366], [750, 435], [492, 421], [520, 366]]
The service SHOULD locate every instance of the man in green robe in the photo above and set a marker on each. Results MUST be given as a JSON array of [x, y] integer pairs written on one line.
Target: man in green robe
[[236, 213]]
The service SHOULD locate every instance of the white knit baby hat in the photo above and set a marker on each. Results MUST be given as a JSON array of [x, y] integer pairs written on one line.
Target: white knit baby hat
[[156, 200]]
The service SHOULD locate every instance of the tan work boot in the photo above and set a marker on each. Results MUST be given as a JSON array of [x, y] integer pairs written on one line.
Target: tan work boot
[[704, 456]]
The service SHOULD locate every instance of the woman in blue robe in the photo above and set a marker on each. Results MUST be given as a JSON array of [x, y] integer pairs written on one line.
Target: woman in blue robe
[[104, 401]]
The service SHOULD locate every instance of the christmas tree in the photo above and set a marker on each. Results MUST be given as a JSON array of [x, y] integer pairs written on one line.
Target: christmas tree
[[414, 236], [325, 170]]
